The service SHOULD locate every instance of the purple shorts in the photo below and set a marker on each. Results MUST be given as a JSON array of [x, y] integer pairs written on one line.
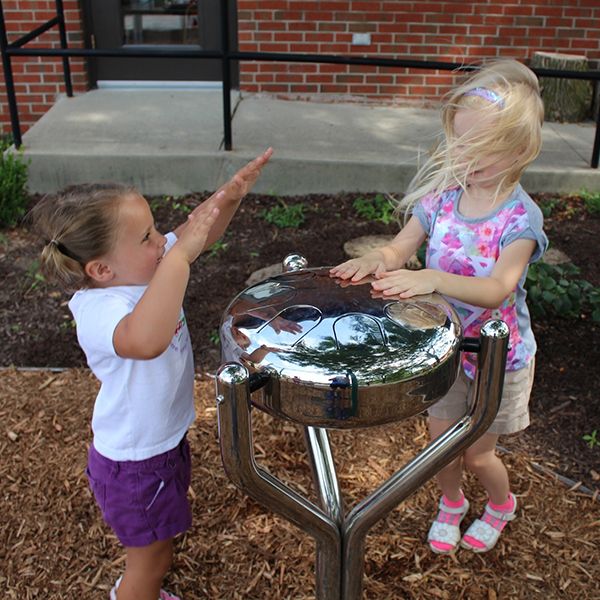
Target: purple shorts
[[143, 501]]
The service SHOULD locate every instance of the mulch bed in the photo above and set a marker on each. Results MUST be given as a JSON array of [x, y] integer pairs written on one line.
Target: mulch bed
[[55, 545]]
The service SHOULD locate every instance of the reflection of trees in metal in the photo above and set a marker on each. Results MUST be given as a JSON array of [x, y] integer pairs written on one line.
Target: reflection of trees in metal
[[370, 364]]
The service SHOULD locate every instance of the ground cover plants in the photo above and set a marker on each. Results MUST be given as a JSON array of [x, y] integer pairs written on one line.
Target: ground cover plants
[[53, 543]]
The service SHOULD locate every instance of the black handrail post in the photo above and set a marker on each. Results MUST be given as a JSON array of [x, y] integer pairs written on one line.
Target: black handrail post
[[226, 74], [596, 150], [9, 82], [63, 44]]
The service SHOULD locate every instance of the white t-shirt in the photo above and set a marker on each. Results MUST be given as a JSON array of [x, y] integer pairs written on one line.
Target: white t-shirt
[[144, 407]]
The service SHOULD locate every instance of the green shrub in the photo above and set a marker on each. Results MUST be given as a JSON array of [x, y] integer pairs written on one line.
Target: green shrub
[[13, 184], [554, 290], [591, 201], [378, 208], [285, 215]]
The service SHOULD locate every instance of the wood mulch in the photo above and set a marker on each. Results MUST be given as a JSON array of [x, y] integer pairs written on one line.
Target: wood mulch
[[54, 545]]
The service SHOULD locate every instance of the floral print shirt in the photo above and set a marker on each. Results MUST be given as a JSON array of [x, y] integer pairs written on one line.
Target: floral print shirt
[[471, 247]]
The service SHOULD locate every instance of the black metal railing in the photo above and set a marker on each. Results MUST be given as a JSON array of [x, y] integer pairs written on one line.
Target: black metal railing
[[226, 55]]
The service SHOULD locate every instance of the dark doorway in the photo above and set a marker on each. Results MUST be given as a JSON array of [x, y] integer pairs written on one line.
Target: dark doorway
[[115, 24]]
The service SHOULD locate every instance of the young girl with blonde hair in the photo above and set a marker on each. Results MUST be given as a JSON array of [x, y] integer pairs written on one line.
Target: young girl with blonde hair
[[482, 232], [100, 239]]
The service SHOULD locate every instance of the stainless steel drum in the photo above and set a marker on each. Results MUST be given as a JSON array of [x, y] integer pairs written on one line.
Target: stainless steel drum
[[328, 354], [338, 355]]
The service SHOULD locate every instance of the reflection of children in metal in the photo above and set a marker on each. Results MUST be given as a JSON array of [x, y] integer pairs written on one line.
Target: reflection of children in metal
[[101, 240], [482, 232]]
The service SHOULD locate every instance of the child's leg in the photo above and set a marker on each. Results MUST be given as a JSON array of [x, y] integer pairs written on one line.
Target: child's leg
[[444, 533], [481, 459], [145, 570], [450, 476]]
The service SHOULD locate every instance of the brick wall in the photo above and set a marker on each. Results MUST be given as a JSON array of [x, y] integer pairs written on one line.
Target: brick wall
[[429, 30], [426, 30], [39, 80]]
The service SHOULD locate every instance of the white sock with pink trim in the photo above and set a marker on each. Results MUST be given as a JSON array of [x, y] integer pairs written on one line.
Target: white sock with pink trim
[[450, 518], [498, 524]]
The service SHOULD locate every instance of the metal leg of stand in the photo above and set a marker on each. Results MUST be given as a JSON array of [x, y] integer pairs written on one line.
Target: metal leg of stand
[[324, 473], [235, 437], [488, 393]]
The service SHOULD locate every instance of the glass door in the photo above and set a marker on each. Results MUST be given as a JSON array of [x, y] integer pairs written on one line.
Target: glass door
[[156, 24]]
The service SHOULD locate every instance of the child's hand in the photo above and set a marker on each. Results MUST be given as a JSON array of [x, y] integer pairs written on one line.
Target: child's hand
[[243, 181], [406, 283], [357, 268], [193, 238]]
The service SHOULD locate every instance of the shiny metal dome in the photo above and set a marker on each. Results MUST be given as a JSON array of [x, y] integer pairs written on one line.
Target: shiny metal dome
[[338, 354]]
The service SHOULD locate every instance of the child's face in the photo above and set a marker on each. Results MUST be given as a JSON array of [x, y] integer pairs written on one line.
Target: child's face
[[139, 248], [469, 124]]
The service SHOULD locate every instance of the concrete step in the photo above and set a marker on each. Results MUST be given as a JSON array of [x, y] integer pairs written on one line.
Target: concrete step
[[171, 142]]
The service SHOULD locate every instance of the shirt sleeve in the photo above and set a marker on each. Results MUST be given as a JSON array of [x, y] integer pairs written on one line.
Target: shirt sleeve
[[97, 321], [527, 225], [425, 210], [171, 239]]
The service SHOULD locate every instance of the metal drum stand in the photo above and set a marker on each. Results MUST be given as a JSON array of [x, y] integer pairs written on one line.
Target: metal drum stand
[[306, 348]]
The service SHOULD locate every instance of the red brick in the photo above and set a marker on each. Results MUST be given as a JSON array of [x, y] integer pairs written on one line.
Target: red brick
[[304, 89], [302, 26], [578, 12], [271, 26], [518, 10], [319, 37], [334, 89], [325, 68], [274, 87], [289, 78], [333, 27]]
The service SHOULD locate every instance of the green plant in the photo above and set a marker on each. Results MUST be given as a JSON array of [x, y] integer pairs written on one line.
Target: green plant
[[554, 290], [13, 185], [218, 246], [214, 338], [285, 215], [592, 439], [591, 201], [182, 207], [378, 208], [34, 276], [547, 207]]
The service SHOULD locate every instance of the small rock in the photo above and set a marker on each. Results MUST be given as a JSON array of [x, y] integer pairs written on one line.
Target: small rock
[[361, 245], [12, 436], [264, 273], [554, 256]]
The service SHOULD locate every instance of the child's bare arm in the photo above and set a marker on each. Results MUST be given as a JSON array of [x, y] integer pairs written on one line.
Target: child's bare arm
[[228, 197], [487, 292], [146, 332], [385, 258]]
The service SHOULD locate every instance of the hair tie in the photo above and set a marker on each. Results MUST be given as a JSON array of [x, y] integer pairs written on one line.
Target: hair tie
[[62, 249], [487, 94]]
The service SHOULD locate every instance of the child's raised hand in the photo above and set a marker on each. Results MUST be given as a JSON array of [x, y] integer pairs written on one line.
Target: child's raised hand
[[357, 268], [193, 238], [241, 183], [406, 283]]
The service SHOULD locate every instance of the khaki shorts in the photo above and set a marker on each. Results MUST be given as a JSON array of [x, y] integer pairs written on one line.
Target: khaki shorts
[[513, 414]]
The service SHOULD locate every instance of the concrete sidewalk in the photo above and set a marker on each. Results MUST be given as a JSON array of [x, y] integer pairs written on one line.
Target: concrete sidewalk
[[171, 142]]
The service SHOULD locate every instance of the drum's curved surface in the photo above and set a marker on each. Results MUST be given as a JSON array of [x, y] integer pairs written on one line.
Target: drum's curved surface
[[341, 355]]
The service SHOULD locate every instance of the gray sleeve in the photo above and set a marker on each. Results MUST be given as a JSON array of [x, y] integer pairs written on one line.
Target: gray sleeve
[[531, 227], [424, 218]]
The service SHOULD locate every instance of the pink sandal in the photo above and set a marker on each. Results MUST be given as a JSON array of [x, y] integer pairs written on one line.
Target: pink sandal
[[446, 533], [485, 533], [164, 595]]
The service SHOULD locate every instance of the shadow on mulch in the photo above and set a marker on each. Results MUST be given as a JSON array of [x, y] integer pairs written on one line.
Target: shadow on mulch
[[54, 544]]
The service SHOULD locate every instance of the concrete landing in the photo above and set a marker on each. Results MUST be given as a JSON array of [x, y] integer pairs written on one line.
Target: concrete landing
[[171, 142]]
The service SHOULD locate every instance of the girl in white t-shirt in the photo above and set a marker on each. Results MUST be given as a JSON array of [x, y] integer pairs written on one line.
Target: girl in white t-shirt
[[100, 239]]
